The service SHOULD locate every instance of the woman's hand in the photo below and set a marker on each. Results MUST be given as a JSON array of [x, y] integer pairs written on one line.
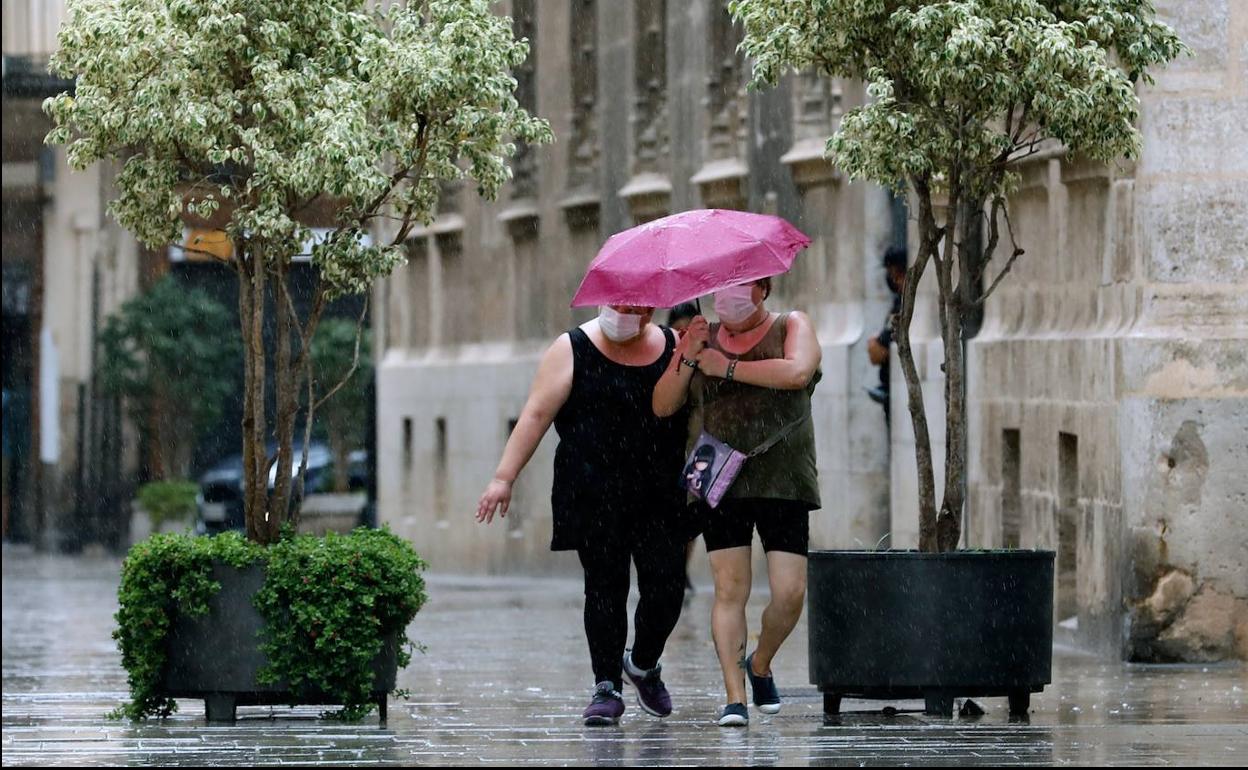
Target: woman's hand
[[876, 351], [498, 493], [551, 387], [694, 338], [700, 334], [672, 389], [712, 363]]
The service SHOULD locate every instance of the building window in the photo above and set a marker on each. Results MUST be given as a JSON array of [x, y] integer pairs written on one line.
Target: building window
[[524, 165], [725, 87], [1067, 525], [441, 480], [1011, 489], [650, 113], [583, 149]]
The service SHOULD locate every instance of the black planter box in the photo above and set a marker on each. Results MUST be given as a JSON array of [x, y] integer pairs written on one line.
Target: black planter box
[[217, 656], [903, 624]]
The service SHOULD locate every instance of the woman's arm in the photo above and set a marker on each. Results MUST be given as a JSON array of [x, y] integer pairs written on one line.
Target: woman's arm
[[793, 372], [672, 388], [551, 387]]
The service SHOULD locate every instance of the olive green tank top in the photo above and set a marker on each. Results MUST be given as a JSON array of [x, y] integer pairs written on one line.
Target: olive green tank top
[[744, 416]]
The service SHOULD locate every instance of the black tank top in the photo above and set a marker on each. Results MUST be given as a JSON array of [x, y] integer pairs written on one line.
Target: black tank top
[[615, 461]]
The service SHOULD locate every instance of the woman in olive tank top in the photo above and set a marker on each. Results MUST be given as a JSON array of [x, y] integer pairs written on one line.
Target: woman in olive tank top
[[749, 378], [615, 498]]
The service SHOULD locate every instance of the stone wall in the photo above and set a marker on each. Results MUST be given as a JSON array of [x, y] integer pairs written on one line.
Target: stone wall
[[488, 284], [1109, 386], [76, 266]]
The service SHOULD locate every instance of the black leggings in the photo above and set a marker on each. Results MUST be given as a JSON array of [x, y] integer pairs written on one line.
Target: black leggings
[[660, 558]]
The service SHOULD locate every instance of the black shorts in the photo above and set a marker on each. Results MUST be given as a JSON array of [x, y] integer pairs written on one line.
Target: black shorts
[[783, 525]]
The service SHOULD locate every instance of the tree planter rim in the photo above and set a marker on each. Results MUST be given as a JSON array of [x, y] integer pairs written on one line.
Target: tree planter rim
[[1024, 554]]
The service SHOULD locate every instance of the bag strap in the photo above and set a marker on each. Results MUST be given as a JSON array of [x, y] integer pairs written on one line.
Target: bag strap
[[778, 436]]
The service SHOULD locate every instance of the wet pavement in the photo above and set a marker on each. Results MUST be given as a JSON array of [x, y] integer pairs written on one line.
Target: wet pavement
[[506, 674]]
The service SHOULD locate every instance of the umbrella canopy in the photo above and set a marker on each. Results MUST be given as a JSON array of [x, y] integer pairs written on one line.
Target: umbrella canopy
[[686, 255]]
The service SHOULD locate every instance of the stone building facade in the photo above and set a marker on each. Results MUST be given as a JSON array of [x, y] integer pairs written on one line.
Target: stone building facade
[[1108, 386], [649, 106], [73, 455], [67, 265]]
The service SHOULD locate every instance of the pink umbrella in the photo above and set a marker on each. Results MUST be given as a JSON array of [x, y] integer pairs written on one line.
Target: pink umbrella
[[684, 256]]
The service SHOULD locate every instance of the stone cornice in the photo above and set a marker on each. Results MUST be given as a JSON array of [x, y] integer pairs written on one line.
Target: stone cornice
[[809, 165], [522, 218]]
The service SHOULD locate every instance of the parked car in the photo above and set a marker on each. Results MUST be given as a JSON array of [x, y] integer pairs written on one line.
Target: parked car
[[220, 500]]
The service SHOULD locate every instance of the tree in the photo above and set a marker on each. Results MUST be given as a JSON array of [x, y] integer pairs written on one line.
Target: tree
[[256, 111], [961, 92], [170, 355], [337, 354]]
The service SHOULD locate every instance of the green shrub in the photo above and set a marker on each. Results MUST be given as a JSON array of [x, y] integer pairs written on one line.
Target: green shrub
[[328, 604], [171, 354], [168, 501]]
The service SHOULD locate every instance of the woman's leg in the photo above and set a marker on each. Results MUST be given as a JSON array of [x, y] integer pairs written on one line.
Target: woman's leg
[[786, 572], [659, 556], [730, 568], [784, 529], [606, 609]]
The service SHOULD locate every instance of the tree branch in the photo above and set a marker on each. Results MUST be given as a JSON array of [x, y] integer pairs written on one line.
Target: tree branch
[[1015, 254], [355, 359], [298, 209], [307, 431], [303, 364], [994, 236], [314, 318], [1022, 123], [423, 143]]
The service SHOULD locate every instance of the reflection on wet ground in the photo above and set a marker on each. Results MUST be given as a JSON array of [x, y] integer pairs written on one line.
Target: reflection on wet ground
[[506, 675]]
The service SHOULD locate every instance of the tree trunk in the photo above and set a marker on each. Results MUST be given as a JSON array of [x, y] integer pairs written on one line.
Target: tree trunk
[[249, 459], [183, 442], [949, 521], [914, 387], [287, 405], [255, 455], [163, 462], [962, 299], [341, 449], [174, 433]]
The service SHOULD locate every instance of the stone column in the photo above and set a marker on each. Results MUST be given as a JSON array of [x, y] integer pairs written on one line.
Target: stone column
[[581, 202], [649, 190], [1183, 404], [828, 280], [521, 218], [722, 178]]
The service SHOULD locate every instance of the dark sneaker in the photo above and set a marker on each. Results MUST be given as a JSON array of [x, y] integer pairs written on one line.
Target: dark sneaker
[[606, 708], [878, 395], [766, 697], [652, 694], [734, 715]]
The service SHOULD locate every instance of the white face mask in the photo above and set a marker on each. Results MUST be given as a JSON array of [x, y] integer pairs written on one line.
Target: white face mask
[[618, 326], [735, 304]]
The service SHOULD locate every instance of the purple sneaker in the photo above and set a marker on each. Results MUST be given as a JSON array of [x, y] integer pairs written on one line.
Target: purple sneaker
[[652, 694], [606, 708]]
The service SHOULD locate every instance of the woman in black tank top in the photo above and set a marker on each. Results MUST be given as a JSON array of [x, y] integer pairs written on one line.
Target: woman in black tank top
[[615, 497]]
